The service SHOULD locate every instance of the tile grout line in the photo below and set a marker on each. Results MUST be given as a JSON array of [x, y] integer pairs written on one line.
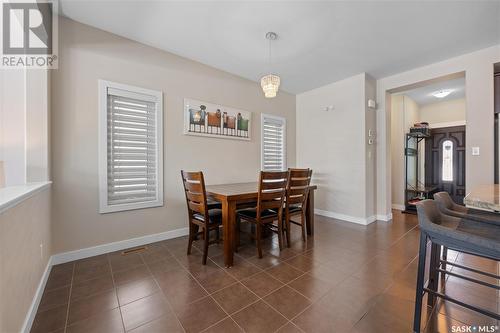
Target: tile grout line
[[209, 294], [115, 289], [69, 297], [163, 294]]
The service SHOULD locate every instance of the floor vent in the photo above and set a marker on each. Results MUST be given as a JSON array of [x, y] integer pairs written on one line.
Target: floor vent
[[134, 250]]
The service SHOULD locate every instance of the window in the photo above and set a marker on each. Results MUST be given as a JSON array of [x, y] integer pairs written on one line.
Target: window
[[273, 143], [130, 147], [447, 161]]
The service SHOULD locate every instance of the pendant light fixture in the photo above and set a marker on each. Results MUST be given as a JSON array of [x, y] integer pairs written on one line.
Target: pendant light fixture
[[270, 83]]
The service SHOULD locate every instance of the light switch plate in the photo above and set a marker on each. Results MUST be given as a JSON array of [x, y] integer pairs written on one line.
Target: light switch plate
[[475, 151]]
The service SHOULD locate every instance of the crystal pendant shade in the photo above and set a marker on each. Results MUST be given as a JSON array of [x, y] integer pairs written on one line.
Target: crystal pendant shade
[[270, 85]]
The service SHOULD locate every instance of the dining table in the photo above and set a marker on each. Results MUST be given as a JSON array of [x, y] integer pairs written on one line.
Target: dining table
[[236, 194]]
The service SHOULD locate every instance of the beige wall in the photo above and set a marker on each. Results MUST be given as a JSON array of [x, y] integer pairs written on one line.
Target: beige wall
[[443, 112], [88, 54], [478, 68], [405, 112], [23, 229], [332, 143]]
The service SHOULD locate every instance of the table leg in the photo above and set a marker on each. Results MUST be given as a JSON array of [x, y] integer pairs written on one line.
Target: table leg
[[310, 213], [228, 216]]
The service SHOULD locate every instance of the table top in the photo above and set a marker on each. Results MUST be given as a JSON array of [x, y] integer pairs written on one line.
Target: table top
[[236, 191], [484, 197]]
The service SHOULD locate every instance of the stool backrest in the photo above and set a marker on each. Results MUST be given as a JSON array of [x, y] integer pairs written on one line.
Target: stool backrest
[[272, 191], [194, 188], [448, 206]]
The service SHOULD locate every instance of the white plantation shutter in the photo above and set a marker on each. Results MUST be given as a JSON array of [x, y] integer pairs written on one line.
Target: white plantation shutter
[[273, 143], [132, 156]]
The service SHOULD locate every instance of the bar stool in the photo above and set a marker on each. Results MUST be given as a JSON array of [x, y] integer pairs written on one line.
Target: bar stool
[[459, 234]]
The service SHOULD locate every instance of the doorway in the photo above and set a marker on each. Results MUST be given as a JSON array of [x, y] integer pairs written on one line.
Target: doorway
[[431, 116], [445, 161]]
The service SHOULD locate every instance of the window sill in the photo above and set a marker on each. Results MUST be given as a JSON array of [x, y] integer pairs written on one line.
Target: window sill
[[13, 195]]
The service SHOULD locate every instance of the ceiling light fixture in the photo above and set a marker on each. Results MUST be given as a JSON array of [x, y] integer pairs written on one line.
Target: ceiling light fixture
[[270, 83], [442, 93]]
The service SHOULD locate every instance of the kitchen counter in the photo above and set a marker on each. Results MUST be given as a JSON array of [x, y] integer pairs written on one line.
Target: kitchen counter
[[486, 197]]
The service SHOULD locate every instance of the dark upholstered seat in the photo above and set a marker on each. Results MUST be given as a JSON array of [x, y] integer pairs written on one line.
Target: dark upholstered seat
[[252, 213], [215, 216]]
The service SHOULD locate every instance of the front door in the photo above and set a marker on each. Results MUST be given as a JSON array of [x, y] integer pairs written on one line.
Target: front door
[[445, 161]]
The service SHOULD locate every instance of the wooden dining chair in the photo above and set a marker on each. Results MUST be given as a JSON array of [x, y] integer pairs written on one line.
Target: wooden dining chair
[[270, 198], [199, 213], [297, 192]]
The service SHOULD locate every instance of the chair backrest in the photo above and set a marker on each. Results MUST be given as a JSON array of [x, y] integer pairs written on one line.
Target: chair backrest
[[194, 188], [298, 187], [272, 191]]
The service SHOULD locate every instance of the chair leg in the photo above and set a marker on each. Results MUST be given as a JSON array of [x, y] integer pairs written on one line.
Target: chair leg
[[217, 235], [206, 236], [433, 273], [192, 234], [280, 234], [258, 239], [303, 225], [420, 283], [288, 226], [236, 243]]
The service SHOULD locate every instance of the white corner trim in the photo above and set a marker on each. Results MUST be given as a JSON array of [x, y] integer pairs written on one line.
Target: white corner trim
[[30, 316], [348, 218], [11, 196], [61, 258], [384, 218], [398, 207]]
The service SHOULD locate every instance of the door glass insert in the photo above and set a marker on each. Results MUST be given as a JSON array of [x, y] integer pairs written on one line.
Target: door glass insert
[[447, 175]]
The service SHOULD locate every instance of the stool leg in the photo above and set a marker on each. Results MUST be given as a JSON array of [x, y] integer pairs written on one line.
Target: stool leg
[[420, 283], [445, 257], [433, 273]]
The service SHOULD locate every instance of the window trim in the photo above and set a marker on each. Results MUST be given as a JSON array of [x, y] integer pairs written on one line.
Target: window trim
[[283, 120], [132, 91]]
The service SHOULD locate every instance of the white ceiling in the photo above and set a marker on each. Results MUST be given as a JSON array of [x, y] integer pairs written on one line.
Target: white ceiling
[[423, 95], [319, 42]]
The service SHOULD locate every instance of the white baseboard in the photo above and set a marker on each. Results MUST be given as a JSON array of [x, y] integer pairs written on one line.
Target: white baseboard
[[398, 207], [30, 317], [348, 218], [61, 258]]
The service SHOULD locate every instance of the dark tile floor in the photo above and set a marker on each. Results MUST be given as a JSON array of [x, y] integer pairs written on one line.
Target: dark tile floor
[[349, 278]]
